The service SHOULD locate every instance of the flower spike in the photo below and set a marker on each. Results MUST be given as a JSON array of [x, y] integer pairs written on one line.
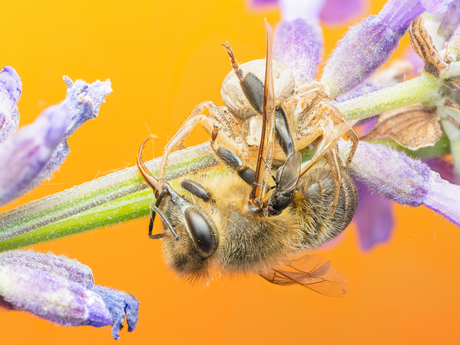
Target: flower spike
[[10, 92]]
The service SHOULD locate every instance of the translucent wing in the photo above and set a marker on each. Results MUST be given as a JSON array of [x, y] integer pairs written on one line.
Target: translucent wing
[[268, 126], [311, 271], [288, 175], [327, 142]]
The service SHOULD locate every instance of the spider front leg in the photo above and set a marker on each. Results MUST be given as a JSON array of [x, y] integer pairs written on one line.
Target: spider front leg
[[216, 118]]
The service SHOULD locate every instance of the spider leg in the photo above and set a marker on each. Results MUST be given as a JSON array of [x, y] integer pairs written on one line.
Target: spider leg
[[331, 157], [216, 119], [334, 114]]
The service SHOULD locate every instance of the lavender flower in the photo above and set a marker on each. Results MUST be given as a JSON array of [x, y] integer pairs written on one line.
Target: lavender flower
[[338, 12], [298, 41], [54, 288], [119, 304], [405, 180], [382, 173], [62, 291], [333, 12], [369, 44], [36, 151], [298, 38], [374, 217], [10, 92], [24, 155]]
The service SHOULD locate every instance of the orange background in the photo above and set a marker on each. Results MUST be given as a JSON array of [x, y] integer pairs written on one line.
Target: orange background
[[163, 58]]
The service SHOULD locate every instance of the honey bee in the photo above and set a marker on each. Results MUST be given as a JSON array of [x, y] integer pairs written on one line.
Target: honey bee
[[245, 220]]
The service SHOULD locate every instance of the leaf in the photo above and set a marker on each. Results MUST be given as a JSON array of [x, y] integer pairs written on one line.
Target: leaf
[[414, 126]]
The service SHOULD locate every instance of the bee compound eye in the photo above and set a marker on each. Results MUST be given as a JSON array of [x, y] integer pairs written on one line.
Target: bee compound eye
[[200, 230]]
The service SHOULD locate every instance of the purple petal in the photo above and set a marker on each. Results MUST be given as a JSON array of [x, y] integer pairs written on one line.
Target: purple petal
[[374, 218], [368, 45], [308, 10], [340, 11], [10, 92], [52, 297], [405, 180], [58, 157], [298, 38], [391, 173], [451, 20], [84, 101], [398, 14], [261, 3], [298, 45], [58, 265], [444, 168], [332, 11], [23, 156], [360, 90], [444, 198], [436, 6], [119, 304]]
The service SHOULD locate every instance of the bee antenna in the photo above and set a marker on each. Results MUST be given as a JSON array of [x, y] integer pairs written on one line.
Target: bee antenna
[[166, 221]]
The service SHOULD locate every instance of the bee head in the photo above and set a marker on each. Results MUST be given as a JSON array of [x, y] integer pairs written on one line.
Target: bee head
[[198, 236]]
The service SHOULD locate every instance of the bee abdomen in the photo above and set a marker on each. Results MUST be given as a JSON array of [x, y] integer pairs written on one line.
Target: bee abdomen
[[314, 199]]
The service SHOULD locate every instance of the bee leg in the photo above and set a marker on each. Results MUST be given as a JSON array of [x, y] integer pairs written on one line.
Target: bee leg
[[331, 157], [196, 189]]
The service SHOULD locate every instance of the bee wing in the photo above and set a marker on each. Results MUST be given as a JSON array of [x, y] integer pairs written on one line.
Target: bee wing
[[268, 126], [290, 173], [329, 140], [311, 271]]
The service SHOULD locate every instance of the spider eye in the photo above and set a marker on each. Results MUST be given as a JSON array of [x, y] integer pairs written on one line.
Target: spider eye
[[200, 231]]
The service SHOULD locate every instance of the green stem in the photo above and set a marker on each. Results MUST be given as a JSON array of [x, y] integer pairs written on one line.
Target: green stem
[[137, 205], [120, 196], [130, 207], [70, 202], [424, 89]]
